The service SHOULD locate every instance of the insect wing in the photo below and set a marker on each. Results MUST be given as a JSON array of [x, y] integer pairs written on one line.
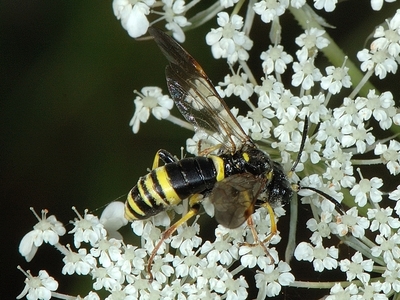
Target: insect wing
[[234, 198], [196, 97]]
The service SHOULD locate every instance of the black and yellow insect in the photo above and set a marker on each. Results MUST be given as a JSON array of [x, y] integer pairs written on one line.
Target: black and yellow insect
[[236, 180]]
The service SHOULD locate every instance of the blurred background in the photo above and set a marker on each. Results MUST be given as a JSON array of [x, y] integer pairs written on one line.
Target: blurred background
[[68, 71]]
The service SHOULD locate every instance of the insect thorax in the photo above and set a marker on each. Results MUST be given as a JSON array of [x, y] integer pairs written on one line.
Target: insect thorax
[[278, 191], [252, 161]]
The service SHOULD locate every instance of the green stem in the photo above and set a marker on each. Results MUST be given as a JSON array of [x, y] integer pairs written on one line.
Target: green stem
[[366, 162]]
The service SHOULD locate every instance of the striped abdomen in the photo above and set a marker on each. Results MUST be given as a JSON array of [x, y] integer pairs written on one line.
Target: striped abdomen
[[169, 185]]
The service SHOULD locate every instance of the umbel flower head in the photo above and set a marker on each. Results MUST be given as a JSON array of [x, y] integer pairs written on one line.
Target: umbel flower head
[[353, 215]]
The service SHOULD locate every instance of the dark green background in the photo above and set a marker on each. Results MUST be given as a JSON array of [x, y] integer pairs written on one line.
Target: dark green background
[[68, 71]]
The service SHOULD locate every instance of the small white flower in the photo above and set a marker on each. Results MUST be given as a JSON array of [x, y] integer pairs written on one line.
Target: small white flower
[[329, 132], [108, 252], [381, 107], [80, 263], [360, 136], [227, 41], [390, 155], [212, 278], [228, 3], [377, 4], [275, 59], [271, 280], [220, 250], [379, 61], [270, 9], [162, 268], [129, 292], [132, 260], [103, 279], [261, 122], [305, 74], [175, 290], [392, 278], [382, 219], [327, 5], [39, 287], [174, 11], [347, 113], [201, 141], [350, 222], [47, 230], [186, 238], [388, 38], [133, 15], [237, 85], [236, 288], [338, 292], [297, 3], [336, 79], [390, 248], [367, 188], [395, 195], [272, 93], [339, 173], [321, 229], [372, 290], [357, 268], [113, 218], [312, 38], [288, 124], [151, 100], [90, 296], [187, 266], [87, 229], [314, 108], [253, 255], [311, 150], [322, 258]]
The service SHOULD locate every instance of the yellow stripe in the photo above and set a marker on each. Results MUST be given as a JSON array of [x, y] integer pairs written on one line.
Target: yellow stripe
[[246, 156], [149, 185], [142, 193], [132, 204], [166, 186], [269, 175], [219, 166]]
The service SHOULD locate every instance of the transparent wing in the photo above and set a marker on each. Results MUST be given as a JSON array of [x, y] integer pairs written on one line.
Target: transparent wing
[[196, 97], [234, 198]]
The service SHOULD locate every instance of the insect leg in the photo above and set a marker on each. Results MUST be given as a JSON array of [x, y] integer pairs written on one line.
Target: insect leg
[[207, 151], [250, 223], [165, 156], [274, 228], [194, 203]]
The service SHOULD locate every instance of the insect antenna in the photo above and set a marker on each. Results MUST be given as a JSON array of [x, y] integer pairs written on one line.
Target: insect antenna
[[303, 142], [338, 205]]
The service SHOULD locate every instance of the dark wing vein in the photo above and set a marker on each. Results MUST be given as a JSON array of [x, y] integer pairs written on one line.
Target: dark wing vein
[[196, 97]]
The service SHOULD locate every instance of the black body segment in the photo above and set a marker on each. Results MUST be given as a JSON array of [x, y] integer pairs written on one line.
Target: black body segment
[[168, 185]]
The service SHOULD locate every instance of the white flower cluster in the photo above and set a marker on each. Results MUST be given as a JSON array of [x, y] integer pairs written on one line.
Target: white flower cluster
[[341, 141], [133, 15]]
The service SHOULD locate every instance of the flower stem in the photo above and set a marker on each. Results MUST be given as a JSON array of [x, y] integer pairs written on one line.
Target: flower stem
[[180, 122]]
